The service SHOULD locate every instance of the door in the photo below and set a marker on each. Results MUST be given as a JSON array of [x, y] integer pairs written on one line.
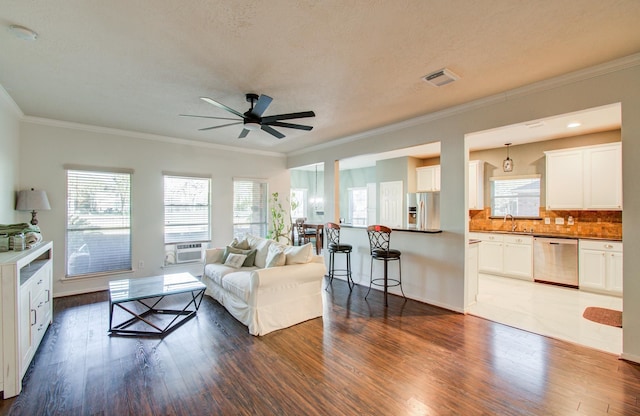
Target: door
[[391, 204]]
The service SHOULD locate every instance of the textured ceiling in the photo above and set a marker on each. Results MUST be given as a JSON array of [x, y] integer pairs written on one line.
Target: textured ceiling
[[136, 65]]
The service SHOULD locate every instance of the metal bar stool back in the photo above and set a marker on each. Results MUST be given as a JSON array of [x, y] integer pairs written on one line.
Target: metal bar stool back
[[379, 246], [334, 246]]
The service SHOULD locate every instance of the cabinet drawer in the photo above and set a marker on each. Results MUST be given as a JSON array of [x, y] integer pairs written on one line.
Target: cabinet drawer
[[603, 245], [496, 238], [518, 239]]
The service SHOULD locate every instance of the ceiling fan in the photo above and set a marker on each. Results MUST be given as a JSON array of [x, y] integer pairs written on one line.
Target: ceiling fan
[[253, 119]]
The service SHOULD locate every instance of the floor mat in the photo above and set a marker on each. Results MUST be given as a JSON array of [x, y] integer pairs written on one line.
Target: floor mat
[[603, 316]]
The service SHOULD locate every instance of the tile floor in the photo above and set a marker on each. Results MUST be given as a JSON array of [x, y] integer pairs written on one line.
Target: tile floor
[[547, 310]]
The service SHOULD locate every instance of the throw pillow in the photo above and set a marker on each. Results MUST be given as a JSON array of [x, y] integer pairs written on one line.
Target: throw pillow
[[249, 261], [298, 254], [263, 251], [242, 244], [276, 256], [235, 260]]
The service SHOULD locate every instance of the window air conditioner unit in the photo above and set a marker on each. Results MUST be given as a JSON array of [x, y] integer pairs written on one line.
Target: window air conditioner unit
[[186, 253]]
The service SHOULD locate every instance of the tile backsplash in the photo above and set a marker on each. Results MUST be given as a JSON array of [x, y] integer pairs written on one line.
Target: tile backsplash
[[595, 224]]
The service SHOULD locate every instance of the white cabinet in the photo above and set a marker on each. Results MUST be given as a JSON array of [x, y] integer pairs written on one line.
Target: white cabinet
[[518, 256], [506, 255], [600, 266], [428, 179], [26, 287], [584, 178], [603, 177], [491, 253], [476, 184]]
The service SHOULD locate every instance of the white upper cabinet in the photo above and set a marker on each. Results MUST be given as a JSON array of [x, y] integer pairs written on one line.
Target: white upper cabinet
[[603, 177], [476, 184], [585, 178], [428, 179]]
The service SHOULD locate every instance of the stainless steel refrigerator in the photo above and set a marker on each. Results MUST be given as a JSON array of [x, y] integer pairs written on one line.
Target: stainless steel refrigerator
[[423, 211]]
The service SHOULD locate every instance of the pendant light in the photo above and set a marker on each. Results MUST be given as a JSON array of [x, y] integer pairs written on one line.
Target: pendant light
[[507, 164]]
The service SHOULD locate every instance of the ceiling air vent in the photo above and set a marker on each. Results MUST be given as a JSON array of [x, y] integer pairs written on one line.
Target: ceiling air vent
[[441, 77]]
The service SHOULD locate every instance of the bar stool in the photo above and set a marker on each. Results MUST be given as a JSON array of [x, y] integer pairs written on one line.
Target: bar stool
[[334, 246], [379, 237]]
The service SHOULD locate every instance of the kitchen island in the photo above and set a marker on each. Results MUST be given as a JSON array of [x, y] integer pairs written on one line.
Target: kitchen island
[[430, 273]]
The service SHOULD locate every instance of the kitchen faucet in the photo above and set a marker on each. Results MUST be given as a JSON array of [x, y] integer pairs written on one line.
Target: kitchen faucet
[[513, 221]]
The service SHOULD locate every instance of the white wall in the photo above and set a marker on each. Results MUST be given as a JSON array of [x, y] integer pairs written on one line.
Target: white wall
[[609, 83], [9, 138], [46, 148]]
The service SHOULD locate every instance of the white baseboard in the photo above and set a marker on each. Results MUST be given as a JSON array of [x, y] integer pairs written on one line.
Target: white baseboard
[[630, 357]]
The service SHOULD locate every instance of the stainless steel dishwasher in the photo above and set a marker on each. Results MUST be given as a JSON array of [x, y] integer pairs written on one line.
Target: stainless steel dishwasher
[[555, 260]]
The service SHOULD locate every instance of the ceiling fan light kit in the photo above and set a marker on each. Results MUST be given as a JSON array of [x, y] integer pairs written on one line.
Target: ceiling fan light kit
[[252, 119]]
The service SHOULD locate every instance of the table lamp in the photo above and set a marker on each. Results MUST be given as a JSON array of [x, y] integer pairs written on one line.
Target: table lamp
[[32, 200]]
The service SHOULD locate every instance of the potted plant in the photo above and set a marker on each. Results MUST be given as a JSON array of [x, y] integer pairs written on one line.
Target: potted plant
[[280, 224]]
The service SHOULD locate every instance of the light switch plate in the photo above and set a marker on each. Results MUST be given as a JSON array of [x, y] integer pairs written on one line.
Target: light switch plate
[[559, 221], [547, 220]]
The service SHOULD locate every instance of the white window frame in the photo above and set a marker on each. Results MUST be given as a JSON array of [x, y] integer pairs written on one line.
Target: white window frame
[[257, 222], [513, 210], [197, 201], [300, 196], [86, 253], [352, 218]]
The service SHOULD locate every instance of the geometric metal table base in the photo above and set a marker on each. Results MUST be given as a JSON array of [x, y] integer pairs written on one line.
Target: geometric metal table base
[[140, 298], [185, 313]]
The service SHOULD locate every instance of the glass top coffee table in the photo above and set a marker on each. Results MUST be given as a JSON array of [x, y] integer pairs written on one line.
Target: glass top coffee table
[[154, 305]]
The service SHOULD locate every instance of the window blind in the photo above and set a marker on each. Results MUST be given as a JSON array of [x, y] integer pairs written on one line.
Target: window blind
[[249, 207], [98, 226], [186, 209], [518, 196]]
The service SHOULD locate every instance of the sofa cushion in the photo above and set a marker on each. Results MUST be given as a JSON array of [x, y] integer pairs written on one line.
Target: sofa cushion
[[261, 245], [239, 284], [235, 260], [298, 254], [218, 272], [249, 260], [276, 256]]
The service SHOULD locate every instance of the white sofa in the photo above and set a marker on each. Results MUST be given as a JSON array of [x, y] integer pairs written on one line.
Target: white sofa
[[282, 288]]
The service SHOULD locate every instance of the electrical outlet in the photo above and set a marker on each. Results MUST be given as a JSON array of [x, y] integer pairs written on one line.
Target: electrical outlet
[[547, 220], [559, 221], [141, 264], [570, 220]]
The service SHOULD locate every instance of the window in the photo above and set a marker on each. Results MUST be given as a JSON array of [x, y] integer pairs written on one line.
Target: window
[[358, 206], [249, 207], [298, 199], [518, 196], [98, 232], [186, 209]]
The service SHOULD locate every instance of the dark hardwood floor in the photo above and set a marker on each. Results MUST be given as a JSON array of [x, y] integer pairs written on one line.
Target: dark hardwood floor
[[360, 359]]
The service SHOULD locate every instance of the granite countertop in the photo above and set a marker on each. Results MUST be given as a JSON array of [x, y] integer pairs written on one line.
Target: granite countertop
[[411, 230], [415, 230], [550, 235]]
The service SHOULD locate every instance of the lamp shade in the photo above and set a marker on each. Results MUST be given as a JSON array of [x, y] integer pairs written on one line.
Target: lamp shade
[[32, 200]]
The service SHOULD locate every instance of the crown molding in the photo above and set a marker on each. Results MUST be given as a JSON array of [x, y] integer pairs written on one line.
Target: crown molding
[[143, 136], [561, 80]]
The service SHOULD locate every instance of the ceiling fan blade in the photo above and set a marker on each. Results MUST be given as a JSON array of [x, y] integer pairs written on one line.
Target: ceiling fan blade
[[222, 125], [290, 125], [289, 116], [217, 118], [261, 105], [243, 133], [220, 105], [272, 131]]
